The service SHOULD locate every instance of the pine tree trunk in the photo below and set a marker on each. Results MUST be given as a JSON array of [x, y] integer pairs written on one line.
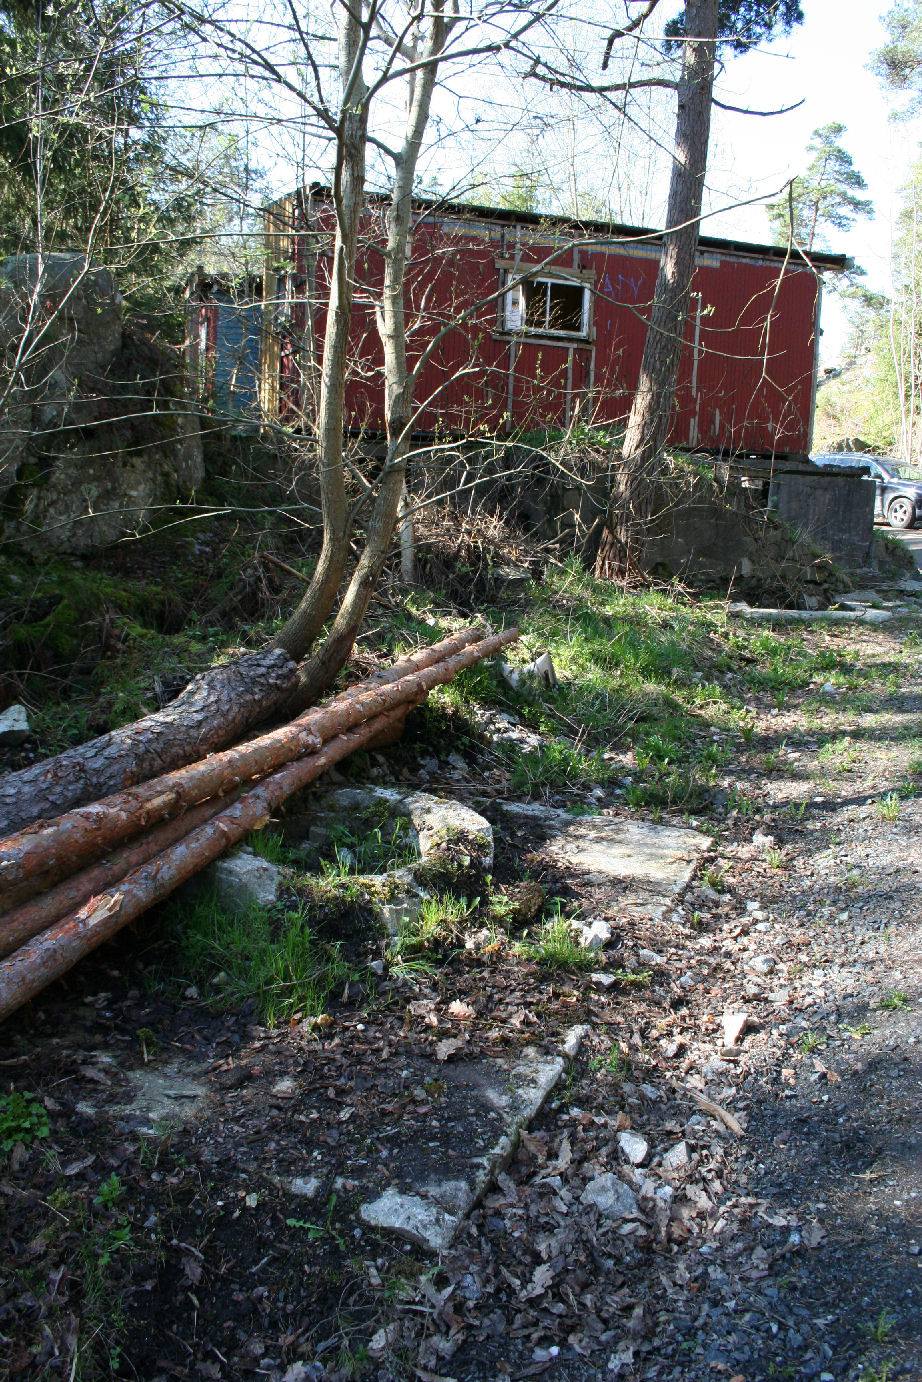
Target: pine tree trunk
[[633, 496], [214, 710]]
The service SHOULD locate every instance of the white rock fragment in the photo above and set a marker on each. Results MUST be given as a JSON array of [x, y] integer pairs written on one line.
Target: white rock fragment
[[611, 1196], [308, 1187], [677, 1157], [650, 957], [243, 880], [574, 1039], [542, 668], [594, 935], [634, 1147], [734, 1024], [383, 1339], [602, 981], [400, 915], [761, 964], [14, 726], [419, 1220], [763, 841]]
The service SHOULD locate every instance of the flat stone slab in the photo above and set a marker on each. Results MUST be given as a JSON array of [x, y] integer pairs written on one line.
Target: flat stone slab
[[484, 1107], [161, 1098], [651, 863], [861, 615]]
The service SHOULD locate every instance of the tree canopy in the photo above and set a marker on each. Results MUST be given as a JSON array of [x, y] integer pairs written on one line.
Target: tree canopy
[[743, 23], [899, 62], [89, 154], [824, 195]]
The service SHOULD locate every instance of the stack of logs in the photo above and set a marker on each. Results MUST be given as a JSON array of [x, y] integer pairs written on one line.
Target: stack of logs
[[68, 884]]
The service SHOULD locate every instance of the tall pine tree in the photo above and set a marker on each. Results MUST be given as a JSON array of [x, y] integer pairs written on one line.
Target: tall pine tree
[[702, 28]]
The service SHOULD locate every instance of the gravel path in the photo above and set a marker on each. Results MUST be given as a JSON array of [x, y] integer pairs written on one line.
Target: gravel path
[[794, 1250]]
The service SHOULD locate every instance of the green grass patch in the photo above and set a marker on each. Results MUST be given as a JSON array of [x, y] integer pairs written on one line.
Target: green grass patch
[[649, 671], [434, 926], [554, 764], [276, 960], [555, 947], [374, 843]]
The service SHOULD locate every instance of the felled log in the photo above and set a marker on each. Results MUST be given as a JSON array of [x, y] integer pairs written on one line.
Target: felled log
[[215, 709], [54, 951], [89, 831], [24, 922], [14, 882], [809, 616]]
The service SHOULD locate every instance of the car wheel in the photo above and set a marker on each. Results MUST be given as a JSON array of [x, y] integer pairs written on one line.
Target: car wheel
[[901, 514]]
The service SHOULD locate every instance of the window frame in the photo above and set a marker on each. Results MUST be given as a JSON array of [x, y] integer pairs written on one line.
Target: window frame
[[515, 307]]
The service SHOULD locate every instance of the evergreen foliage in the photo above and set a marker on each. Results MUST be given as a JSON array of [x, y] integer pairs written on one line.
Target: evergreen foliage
[[92, 156], [85, 144], [744, 23], [899, 62], [825, 194]]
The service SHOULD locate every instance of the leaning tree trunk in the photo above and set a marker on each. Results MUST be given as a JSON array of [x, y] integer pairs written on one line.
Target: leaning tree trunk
[[633, 496], [321, 668], [214, 710]]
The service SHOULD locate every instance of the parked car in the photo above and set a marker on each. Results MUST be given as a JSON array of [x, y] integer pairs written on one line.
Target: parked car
[[898, 502]]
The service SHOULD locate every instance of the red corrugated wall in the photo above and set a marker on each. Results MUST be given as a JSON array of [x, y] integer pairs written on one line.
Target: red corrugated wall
[[746, 384]]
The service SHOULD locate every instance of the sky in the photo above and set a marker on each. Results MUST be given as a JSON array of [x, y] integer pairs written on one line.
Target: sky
[[824, 62]]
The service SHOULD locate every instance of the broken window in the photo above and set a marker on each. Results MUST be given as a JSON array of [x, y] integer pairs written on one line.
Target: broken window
[[549, 307]]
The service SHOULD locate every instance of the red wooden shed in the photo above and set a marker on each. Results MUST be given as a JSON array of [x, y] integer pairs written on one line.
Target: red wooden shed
[[539, 321]]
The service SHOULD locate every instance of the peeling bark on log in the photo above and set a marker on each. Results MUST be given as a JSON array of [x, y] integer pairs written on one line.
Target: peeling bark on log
[[24, 922], [54, 951], [89, 831], [215, 709]]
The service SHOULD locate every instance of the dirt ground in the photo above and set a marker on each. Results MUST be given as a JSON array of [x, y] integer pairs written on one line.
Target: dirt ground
[[192, 1211]]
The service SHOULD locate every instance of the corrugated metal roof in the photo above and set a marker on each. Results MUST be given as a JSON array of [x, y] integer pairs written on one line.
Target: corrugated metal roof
[[613, 229]]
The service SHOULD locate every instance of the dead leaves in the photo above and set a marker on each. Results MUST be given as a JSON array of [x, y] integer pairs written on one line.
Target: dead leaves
[[450, 1047]]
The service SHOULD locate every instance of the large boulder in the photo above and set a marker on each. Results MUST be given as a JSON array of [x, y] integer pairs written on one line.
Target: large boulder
[[96, 431]]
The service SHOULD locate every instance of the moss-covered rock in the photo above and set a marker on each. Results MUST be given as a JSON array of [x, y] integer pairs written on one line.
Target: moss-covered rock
[[95, 433]]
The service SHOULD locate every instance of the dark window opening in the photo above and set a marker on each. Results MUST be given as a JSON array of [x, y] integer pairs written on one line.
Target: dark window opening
[[543, 305]]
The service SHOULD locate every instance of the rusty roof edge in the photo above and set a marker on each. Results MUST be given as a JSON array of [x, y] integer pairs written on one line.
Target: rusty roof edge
[[820, 259]]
